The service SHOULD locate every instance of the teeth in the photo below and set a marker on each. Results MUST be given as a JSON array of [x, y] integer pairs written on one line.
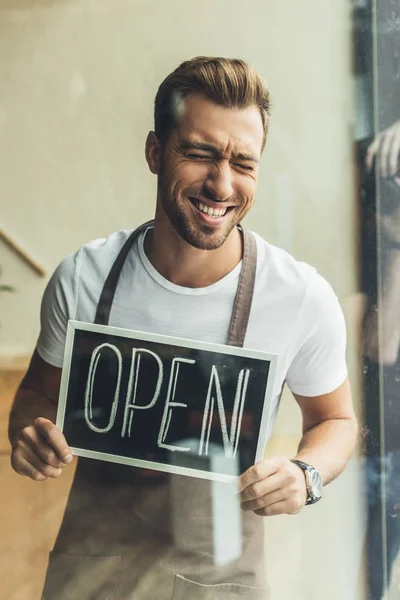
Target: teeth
[[212, 212]]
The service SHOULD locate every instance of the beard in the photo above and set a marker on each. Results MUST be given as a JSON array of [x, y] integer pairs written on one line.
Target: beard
[[196, 234]]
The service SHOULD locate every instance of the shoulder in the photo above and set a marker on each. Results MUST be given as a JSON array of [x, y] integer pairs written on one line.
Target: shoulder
[[292, 283], [88, 265], [281, 269], [93, 257], [103, 251]]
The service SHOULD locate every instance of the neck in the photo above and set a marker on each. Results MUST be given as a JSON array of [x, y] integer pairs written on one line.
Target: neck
[[184, 265]]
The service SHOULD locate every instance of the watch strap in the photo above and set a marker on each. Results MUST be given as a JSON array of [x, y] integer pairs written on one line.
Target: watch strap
[[311, 499], [301, 464]]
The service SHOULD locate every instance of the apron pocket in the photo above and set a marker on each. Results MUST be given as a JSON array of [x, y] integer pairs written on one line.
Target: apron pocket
[[71, 577], [185, 589]]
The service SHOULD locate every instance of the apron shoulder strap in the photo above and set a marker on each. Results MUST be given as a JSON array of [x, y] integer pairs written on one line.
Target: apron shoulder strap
[[244, 295], [107, 295]]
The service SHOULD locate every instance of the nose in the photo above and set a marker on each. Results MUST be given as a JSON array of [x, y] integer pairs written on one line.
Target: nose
[[219, 181]]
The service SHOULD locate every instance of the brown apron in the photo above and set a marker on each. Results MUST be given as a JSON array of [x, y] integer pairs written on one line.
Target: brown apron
[[115, 541]]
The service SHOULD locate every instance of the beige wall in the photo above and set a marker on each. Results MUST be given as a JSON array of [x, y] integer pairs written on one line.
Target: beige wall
[[77, 83]]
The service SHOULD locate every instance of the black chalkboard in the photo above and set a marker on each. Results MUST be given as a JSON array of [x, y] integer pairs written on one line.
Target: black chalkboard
[[164, 403]]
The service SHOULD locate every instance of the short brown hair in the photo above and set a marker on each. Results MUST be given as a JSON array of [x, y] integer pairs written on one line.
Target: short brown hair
[[229, 82]]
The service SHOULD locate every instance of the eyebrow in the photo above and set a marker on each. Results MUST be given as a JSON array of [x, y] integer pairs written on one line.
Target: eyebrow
[[214, 151]]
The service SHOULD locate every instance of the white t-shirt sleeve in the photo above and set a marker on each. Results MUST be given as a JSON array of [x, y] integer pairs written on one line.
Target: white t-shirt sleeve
[[58, 306], [319, 365]]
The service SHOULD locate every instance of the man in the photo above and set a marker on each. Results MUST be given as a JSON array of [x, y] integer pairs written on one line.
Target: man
[[211, 123]]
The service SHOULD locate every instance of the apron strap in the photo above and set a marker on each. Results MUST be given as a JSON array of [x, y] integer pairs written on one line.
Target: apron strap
[[244, 295], [107, 295]]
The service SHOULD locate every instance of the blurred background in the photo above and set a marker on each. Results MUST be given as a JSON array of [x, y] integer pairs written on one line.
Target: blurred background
[[77, 85]]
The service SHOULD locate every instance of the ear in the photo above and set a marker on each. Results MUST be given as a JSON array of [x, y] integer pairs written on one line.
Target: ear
[[153, 152]]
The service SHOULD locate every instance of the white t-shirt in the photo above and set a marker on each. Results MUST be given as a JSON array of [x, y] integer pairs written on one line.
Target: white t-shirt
[[294, 313]]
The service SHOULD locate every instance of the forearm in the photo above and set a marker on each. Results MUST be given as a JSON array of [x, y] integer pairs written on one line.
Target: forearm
[[328, 446], [390, 292], [384, 348], [28, 405]]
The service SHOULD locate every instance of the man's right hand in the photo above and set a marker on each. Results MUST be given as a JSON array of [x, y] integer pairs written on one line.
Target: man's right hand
[[40, 451]]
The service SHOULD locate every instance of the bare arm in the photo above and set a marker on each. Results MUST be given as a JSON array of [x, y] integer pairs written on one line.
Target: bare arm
[[385, 348], [39, 449], [276, 485], [329, 431]]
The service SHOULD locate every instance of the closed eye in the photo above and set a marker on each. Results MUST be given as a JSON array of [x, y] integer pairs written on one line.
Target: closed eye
[[198, 156], [203, 157], [245, 167]]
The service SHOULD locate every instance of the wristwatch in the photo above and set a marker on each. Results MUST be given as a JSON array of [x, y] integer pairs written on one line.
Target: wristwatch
[[313, 481]]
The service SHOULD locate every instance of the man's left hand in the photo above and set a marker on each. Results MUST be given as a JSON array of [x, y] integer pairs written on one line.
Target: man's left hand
[[274, 486]]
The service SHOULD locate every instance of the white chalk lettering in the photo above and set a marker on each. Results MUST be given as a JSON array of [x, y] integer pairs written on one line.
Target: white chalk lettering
[[131, 406], [90, 384], [169, 404], [230, 441]]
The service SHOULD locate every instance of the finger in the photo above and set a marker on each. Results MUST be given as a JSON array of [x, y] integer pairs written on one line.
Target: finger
[[371, 152], [22, 466], [394, 155], [384, 153], [54, 438], [262, 488], [279, 508], [259, 471], [37, 462], [264, 501], [32, 438]]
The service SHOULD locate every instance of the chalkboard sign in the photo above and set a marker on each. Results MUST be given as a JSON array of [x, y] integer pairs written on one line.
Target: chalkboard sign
[[164, 403]]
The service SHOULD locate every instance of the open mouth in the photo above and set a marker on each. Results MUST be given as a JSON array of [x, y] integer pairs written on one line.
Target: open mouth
[[208, 210]]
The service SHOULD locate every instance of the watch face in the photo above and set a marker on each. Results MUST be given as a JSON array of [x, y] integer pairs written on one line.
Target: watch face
[[316, 484]]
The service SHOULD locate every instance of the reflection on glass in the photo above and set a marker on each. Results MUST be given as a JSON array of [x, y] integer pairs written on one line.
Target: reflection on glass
[[378, 77]]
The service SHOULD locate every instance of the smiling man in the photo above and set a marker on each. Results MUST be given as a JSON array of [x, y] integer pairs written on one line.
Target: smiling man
[[181, 276]]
